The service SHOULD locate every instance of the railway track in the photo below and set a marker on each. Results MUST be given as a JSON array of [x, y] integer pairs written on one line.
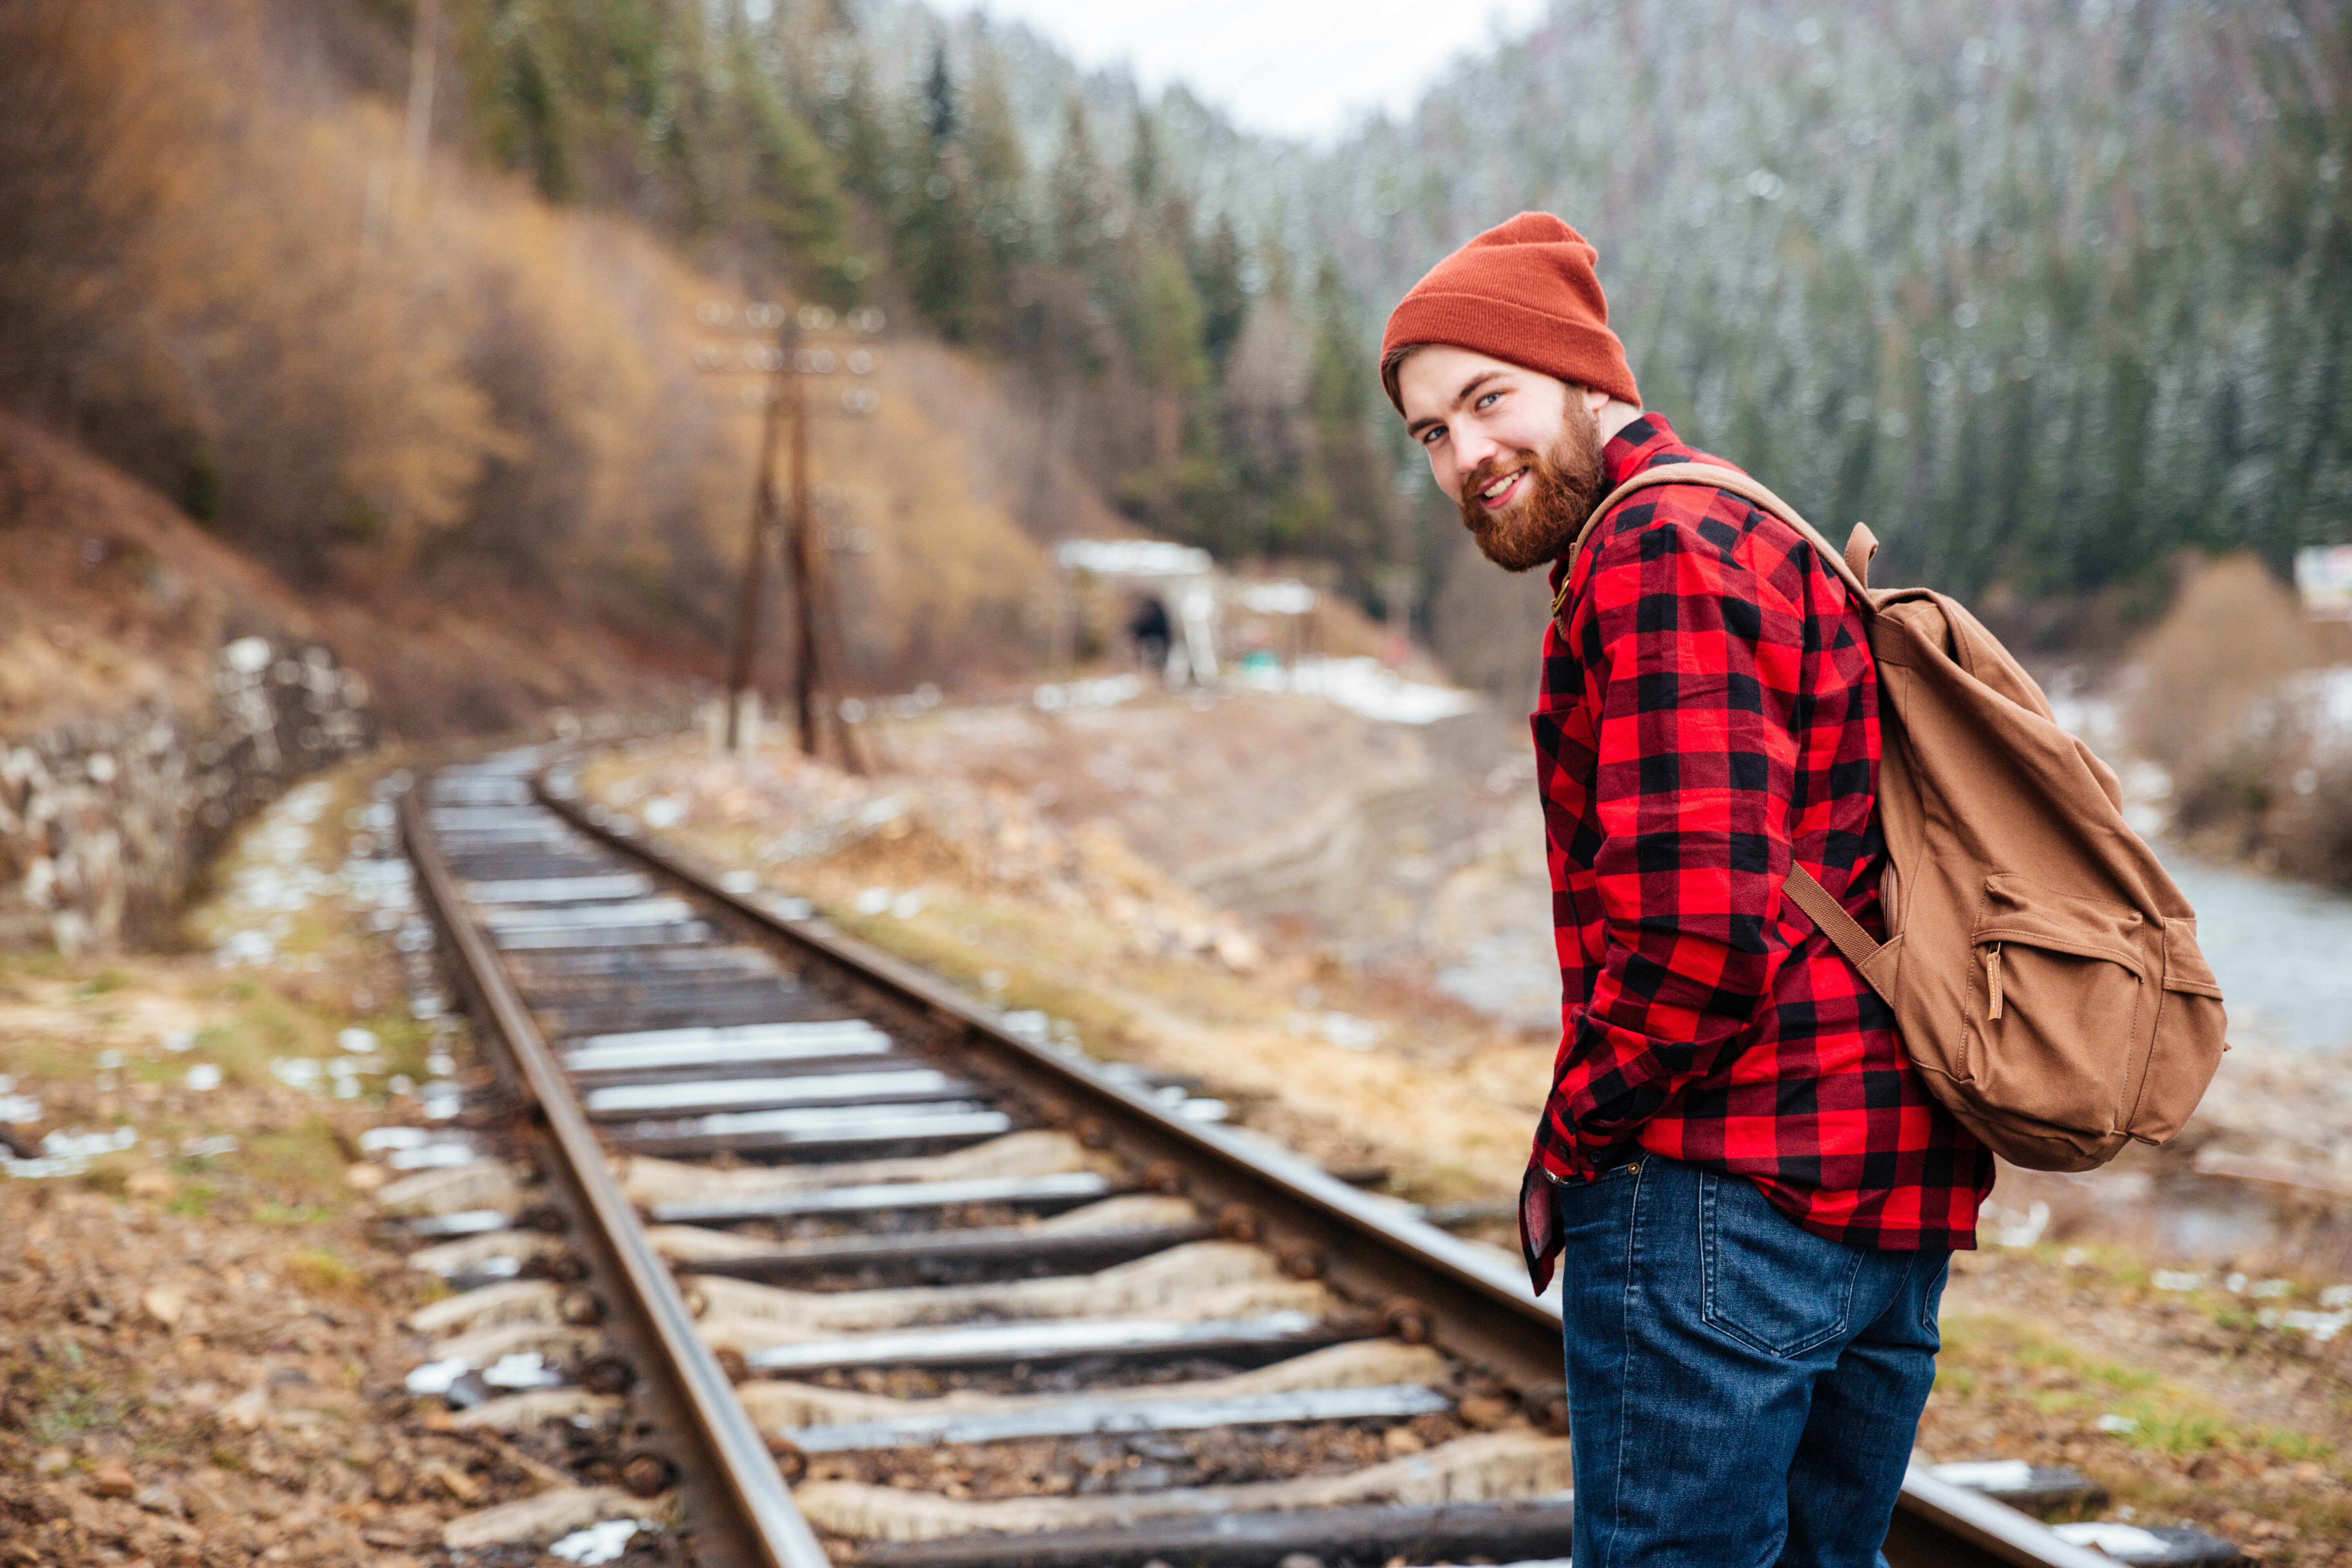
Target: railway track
[[815, 1238]]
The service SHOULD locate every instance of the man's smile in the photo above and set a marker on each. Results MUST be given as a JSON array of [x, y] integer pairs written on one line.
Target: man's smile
[[1501, 491]]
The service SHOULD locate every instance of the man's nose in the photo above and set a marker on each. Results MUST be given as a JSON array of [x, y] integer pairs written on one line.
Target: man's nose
[[1472, 448]]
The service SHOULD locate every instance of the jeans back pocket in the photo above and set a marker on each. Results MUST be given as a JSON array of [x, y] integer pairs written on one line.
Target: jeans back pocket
[[1766, 1282]]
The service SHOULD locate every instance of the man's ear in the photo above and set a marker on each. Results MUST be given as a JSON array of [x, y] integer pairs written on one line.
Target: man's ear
[[1595, 400]]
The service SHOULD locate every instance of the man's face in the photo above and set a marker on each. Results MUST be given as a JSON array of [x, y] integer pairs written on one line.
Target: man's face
[[1519, 451]]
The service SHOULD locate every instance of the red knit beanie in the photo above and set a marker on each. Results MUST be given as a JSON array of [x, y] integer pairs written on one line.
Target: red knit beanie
[[1523, 291]]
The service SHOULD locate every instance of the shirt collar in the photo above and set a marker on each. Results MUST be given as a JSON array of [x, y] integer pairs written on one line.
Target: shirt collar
[[1639, 446]]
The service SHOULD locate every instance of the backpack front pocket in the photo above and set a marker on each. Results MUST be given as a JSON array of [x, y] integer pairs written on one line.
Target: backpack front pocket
[[2052, 1031]]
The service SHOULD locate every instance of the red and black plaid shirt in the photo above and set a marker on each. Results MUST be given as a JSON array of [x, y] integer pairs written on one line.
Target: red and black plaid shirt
[[1710, 710]]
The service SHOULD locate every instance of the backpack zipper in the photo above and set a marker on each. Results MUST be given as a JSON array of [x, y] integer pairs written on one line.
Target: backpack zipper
[[1992, 980]]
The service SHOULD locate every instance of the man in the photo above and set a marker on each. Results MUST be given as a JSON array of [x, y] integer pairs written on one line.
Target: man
[[1751, 1195]]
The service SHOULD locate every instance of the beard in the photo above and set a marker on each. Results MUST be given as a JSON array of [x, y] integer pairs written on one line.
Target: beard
[[1563, 485]]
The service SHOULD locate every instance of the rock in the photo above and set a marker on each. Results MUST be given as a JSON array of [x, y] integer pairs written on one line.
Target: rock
[[389, 1483], [365, 1177], [248, 1410], [112, 1480], [163, 1303], [1484, 1411], [1240, 951], [116, 813], [454, 1481], [540, 1517], [1399, 1441], [53, 1462], [153, 1185]]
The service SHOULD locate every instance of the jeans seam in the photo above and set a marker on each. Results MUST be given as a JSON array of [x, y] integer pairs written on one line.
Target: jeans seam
[[1706, 1245], [1930, 1320], [1624, 1362]]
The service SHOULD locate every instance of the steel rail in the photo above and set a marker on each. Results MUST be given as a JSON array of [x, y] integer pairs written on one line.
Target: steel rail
[[1479, 1305], [743, 1515], [1482, 1307]]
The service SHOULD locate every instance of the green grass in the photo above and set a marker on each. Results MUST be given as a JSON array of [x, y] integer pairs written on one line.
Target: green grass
[[68, 1415], [320, 1272], [2106, 1373], [194, 1200], [99, 984], [301, 1166], [2167, 1417]]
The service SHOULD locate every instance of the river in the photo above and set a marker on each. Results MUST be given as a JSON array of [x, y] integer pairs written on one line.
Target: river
[[2282, 952]]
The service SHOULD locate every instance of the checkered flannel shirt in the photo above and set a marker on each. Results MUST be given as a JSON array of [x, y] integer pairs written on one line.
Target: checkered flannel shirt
[[1710, 710]]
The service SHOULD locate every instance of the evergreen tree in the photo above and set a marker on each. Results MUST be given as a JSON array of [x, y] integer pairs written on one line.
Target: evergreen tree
[[1000, 170], [936, 238], [1216, 267], [1076, 200], [1344, 509], [680, 110]]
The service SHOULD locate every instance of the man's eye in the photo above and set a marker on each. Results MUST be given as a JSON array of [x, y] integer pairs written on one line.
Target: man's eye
[[1429, 436], [1486, 399]]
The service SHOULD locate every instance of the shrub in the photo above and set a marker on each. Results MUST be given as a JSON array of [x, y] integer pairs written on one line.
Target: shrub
[[2228, 704]]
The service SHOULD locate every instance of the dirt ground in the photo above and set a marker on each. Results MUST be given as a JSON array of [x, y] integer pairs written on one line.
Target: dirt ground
[[2195, 1405], [2192, 1370], [203, 1358]]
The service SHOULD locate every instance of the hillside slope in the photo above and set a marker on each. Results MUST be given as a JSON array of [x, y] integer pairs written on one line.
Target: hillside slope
[[489, 440], [110, 597]]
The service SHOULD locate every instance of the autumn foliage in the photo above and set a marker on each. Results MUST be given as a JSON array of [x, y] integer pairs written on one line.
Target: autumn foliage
[[388, 377]]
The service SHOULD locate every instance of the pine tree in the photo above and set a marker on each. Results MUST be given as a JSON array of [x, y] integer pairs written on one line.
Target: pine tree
[[1000, 170], [1076, 197], [1216, 267]]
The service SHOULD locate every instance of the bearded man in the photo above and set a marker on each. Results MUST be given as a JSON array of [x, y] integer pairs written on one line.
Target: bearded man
[[1751, 1196]]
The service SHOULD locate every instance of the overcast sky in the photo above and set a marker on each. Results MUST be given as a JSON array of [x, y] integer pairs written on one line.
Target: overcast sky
[[1294, 68]]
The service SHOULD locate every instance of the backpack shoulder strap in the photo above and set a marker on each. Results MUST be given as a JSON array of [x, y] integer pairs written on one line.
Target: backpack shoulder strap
[[1800, 887], [1846, 933], [1853, 564]]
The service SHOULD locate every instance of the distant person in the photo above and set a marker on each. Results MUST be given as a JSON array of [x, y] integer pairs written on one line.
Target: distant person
[[1149, 628], [1750, 1195]]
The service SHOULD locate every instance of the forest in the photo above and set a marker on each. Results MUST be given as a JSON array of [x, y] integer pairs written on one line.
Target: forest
[[2046, 292]]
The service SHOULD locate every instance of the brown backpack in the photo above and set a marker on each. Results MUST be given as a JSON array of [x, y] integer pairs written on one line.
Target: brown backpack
[[2042, 968]]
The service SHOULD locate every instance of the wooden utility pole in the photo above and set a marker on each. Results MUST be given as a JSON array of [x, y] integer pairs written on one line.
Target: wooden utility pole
[[816, 635], [755, 556], [784, 422], [808, 683]]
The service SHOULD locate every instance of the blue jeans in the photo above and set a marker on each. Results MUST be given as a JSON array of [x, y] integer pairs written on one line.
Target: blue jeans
[[1741, 1392]]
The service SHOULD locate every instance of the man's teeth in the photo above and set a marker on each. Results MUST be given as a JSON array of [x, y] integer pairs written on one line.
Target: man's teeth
[[1499, 485]]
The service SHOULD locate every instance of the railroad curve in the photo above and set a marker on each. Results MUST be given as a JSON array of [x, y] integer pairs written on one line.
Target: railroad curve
[[877, 1280]]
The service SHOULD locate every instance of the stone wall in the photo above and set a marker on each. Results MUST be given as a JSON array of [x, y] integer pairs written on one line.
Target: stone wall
[[104, 819]]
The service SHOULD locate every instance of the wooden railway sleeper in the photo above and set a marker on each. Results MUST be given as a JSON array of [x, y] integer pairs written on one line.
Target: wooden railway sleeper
[[1395, 1279]]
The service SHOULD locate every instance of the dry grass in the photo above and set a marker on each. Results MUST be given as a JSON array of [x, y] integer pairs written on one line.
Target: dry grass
[[472, 418]]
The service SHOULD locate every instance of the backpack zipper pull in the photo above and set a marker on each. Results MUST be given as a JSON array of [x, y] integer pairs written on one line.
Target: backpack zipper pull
[[1992, 980]]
